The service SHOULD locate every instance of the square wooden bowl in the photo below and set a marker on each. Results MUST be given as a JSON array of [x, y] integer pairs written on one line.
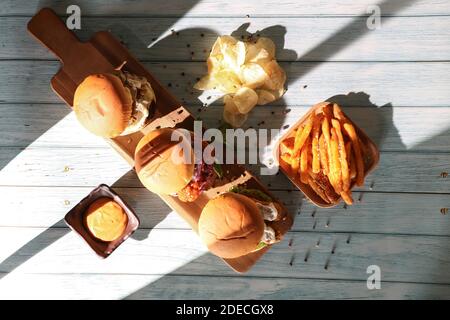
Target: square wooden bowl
[[76, 220], [371, 156]]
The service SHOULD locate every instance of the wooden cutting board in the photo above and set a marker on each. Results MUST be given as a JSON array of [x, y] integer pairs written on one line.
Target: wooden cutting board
[[103, 53]]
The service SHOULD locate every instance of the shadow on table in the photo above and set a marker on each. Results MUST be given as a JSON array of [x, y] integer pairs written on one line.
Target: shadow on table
[[140, 199], [49, 236], [33, 247], [322, 52], [196, 43], [137, 198], [343, 37], [278, 34], [362, 111], [373, 119]]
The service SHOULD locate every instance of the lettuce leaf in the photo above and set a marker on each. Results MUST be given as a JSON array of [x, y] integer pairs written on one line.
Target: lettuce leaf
[[218, 170], [253, 193], [260, 245]]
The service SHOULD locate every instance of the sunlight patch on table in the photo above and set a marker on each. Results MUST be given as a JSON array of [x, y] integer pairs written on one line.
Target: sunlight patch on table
[[161, 253], [45, 166], [421, 128]]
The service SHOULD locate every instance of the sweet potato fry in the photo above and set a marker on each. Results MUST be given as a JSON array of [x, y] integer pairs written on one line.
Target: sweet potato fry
[[323, 154], [327, 111], [353, 167], [301, 135], [337, 112], [327, 143], [364, 148], [326, 130], [335, 165], [287, 145], [348, 150], [347, 197], [286, 157], [304, 160], [317, 189], [315, 145], [327, 154], [342, 155], [350, 131], [324, 182], [351, 160], [295, 161]]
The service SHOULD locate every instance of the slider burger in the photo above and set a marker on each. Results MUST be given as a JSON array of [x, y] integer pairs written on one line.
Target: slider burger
[[159, 172], [113, 104], [239, 222]]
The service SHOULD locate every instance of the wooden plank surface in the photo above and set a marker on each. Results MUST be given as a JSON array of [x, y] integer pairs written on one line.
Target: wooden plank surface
[[399, 39], [401, 74], [424, 259], [392, 129], [231, 8], [343, 77], [396, 172], [398, 213], [92, 286]]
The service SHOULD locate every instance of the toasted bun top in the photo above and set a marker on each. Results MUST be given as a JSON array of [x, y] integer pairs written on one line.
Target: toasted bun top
[[231, 225], [103, 105], [155, 165], [106, 219]]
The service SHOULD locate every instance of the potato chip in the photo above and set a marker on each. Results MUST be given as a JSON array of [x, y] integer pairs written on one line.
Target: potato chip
[[230, 59], [222, 42], [241, 51], [215, 50], [214, 63], [280, 92], [245, 71], [205, 83], [256, 55], [265, 96], [226, 81], [245, 99], [233, 53], [253, 75], [229, 104], [276, 76], [268, 45], [227, 40], [260, 52], [231, 114]]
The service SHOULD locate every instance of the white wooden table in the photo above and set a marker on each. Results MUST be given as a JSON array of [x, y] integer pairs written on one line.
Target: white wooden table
[[400, 75]]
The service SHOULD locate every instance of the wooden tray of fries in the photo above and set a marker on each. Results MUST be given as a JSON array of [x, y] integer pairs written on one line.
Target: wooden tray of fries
[[103, 54], [304, 155]]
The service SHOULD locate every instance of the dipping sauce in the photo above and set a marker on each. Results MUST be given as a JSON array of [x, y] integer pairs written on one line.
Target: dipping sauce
[[106, 219], [103, 220]]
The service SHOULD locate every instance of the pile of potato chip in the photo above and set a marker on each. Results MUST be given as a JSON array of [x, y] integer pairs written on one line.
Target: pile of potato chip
[[246, 72], [327, 154]]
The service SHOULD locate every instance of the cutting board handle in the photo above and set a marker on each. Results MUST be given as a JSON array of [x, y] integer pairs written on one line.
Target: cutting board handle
[[49, 29]]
